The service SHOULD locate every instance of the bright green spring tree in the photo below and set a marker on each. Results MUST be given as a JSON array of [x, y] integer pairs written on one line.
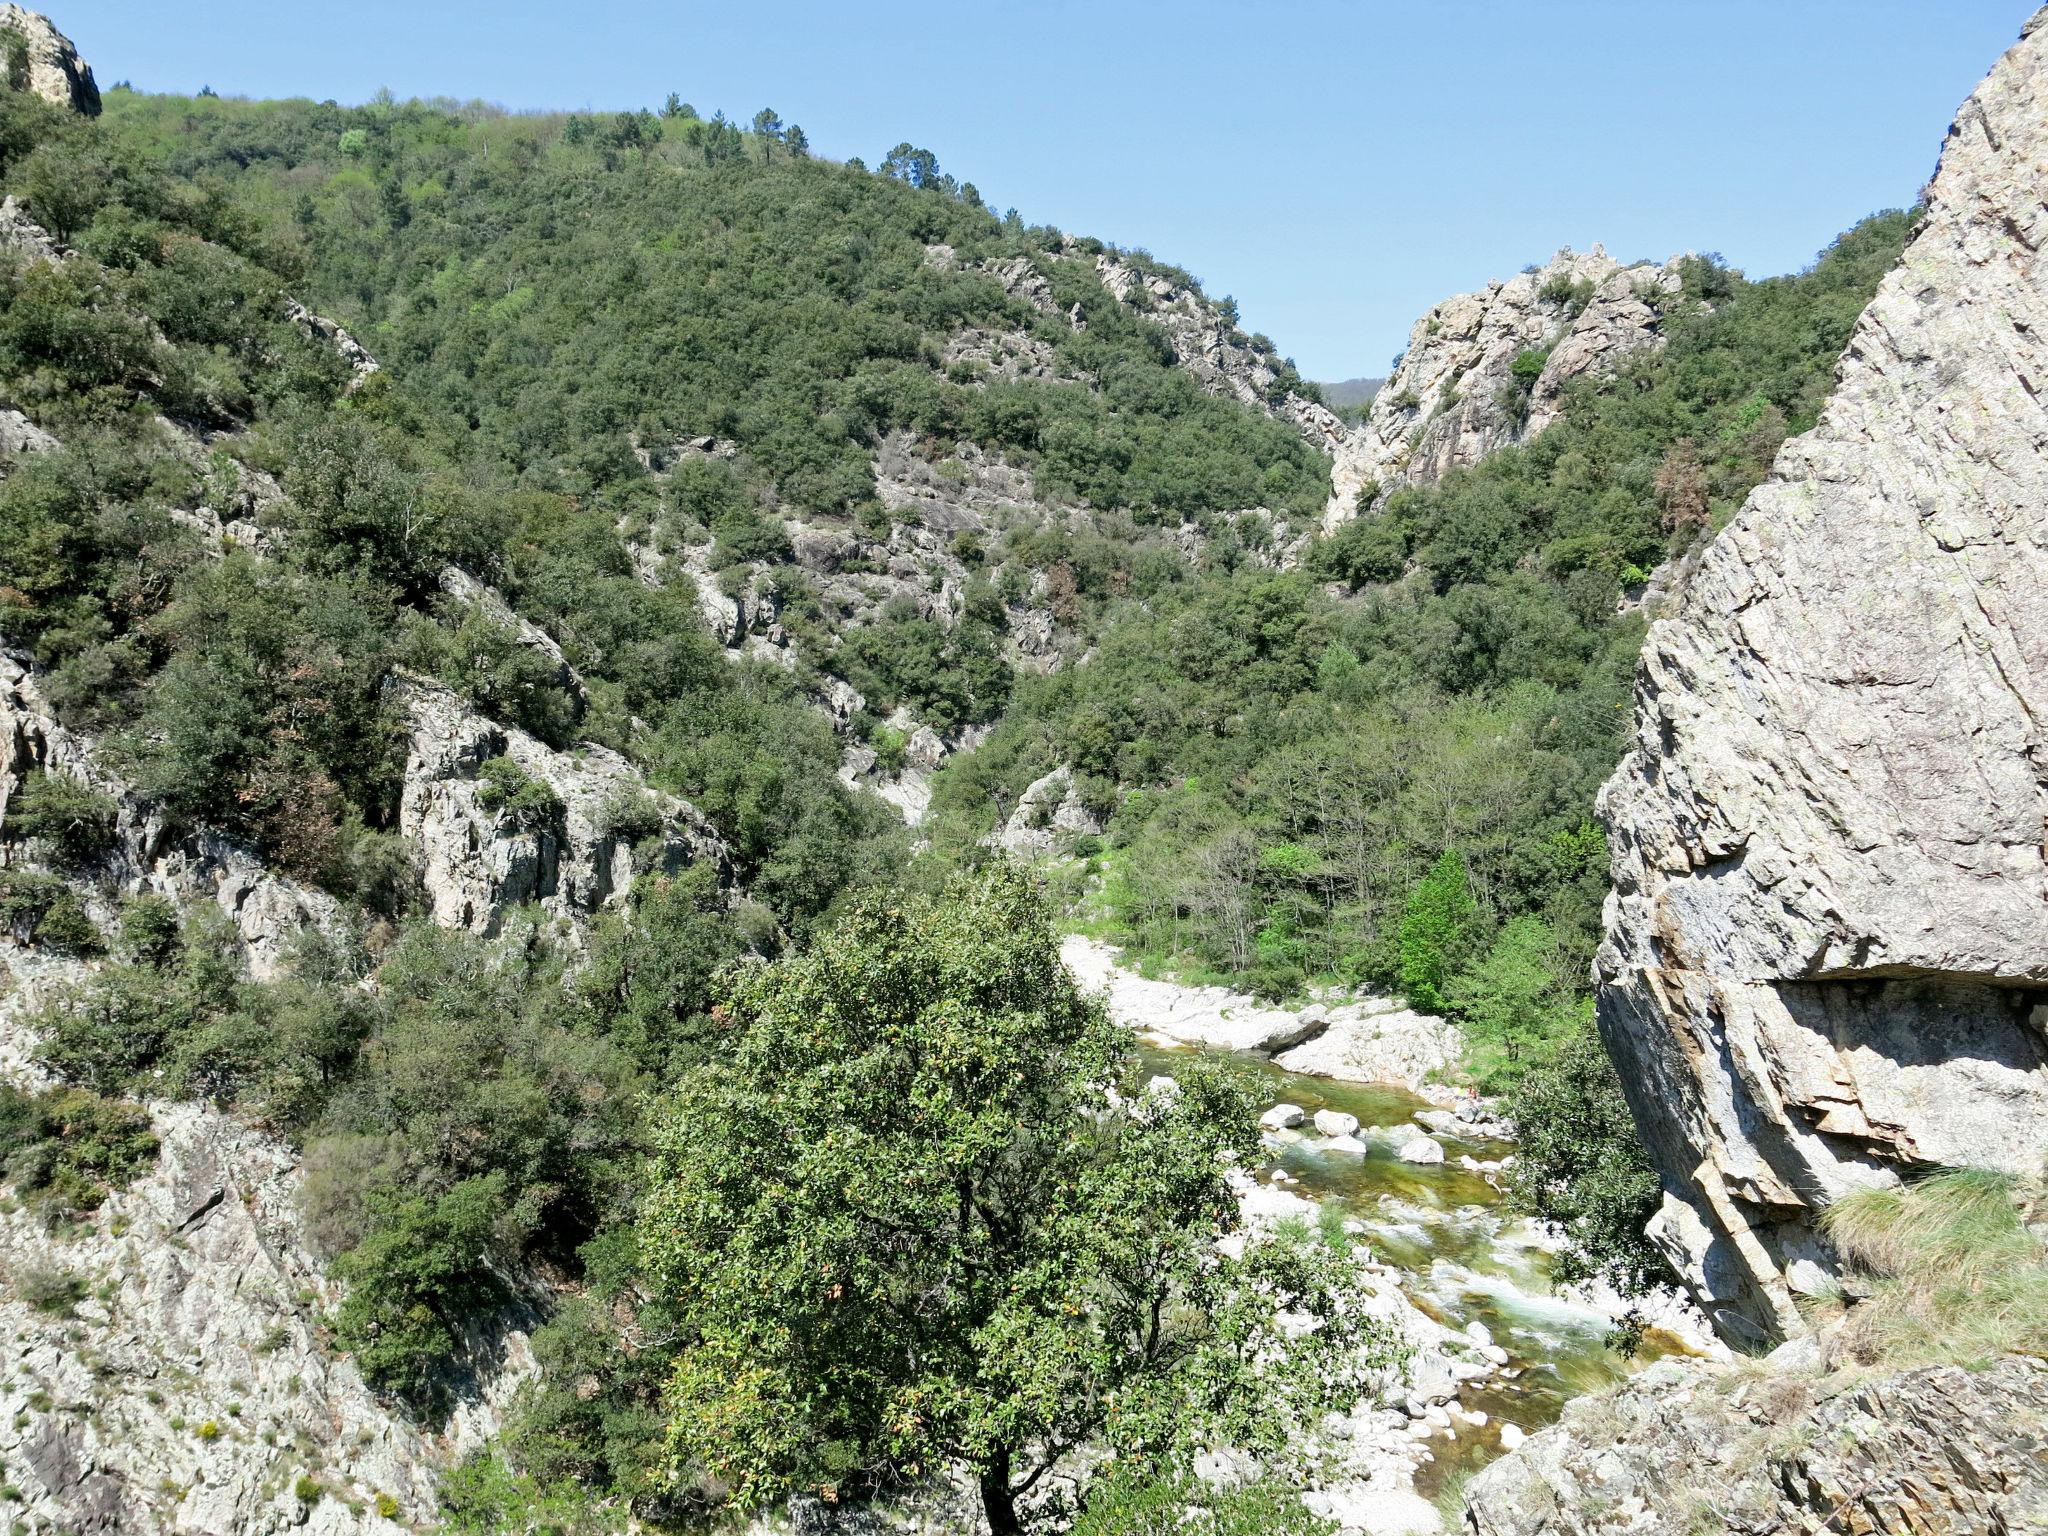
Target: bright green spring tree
[[1434, 928], [910, 1221]]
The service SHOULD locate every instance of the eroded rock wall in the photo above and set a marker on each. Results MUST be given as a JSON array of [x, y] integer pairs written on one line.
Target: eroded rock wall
[[1827, 944]]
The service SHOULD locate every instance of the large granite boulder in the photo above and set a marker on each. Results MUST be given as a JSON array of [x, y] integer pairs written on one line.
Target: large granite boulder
[[1828, 933]]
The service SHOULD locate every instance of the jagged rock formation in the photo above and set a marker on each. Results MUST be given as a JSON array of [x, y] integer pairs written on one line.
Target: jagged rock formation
[[1682, 1450], [1454, 397], [189, 1389], [268, 911], [478, 860], [47, 63], [1049, 815], [320, 328], [1829, 927]]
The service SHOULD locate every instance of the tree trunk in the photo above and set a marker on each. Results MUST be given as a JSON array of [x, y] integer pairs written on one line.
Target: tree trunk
[[997, 1501]]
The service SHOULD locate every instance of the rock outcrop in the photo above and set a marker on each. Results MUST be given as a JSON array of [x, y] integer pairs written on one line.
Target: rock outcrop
[[188, 1387], [1371, 1040], [45, 62], [145, 854], [1684, 1449], [1828, 937], [1048, 817], [1455, 396], [592, 823]]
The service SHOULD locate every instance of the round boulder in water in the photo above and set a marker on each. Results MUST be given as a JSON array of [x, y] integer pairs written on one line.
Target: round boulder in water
[[1282, 1117], [1421, 1150], [1334, 1122]]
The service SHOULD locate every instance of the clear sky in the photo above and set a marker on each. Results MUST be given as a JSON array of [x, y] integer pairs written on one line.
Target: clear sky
[[1337, 167]]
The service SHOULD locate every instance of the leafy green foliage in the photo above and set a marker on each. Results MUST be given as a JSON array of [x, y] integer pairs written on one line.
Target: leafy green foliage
[[64, 1149], [1435, 926], [43, 909], [1127, 1503], [777, 300], [75, 820], [522, 800], [902, 1223], [1579, 1163]]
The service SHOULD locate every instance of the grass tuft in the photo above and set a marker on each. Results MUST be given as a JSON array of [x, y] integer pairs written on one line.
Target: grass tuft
[[1954, 1273]]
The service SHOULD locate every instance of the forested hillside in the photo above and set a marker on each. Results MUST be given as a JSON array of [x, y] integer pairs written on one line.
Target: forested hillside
[[715, 464]]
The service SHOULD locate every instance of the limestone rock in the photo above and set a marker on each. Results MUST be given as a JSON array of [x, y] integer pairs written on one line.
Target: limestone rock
[[1378, 1041], [22, 237], [321, 329], [1453, 398], [476, 862], [204, 1309], [1684, 1449], [1049, 816], [1421, 1149], [1282, 1117], [1830, 893], [1334, 1122], [53, 69], [269, 911]]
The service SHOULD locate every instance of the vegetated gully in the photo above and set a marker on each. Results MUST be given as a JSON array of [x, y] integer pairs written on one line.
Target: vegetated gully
[[1461, 1253]]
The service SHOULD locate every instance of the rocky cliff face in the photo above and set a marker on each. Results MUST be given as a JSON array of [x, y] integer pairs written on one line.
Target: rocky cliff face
[[268, 911], [595, 824], [1455, 396], [190, 1387], [1827, 945], [45, 62]]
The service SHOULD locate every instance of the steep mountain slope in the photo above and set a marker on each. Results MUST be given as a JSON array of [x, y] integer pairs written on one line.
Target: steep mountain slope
[[1826, 941]]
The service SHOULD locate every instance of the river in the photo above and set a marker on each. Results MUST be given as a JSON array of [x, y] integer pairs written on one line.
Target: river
[[1444, 1231]]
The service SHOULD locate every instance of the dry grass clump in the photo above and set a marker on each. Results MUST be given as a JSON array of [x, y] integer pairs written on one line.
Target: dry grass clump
[[1955, 1266]]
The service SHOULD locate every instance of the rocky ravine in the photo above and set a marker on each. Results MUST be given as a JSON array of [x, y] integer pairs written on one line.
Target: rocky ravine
[[1827, 946]]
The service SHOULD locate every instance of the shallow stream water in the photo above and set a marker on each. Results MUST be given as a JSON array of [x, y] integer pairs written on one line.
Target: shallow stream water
[[1462, 1254]]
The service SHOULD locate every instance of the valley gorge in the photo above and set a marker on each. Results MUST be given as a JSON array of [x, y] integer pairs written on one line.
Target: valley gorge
[[692, 834]]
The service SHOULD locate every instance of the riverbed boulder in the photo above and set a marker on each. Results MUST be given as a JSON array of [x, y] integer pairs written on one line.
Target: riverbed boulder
[[1334, 1122], [1282, 1117], [1422, 1149], [1829, 924]]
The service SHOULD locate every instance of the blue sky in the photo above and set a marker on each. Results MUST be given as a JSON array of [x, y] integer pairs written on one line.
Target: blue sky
[[1336, 167]]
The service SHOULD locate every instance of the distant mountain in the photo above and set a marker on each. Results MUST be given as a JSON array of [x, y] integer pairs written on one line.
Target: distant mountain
[[1348, 396]]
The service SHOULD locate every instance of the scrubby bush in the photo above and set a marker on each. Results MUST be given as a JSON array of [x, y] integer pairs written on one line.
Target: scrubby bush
[[73, 819], [65, 1149], [523, 801]]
